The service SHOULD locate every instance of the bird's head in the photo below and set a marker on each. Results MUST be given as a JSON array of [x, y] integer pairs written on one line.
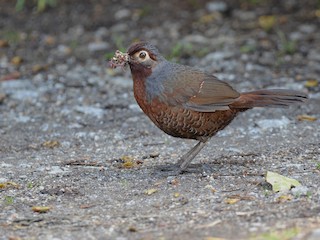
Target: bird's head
[[142, 58], [144, 54]]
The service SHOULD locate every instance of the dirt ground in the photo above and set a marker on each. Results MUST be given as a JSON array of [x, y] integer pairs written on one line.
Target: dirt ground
[[73, 139]]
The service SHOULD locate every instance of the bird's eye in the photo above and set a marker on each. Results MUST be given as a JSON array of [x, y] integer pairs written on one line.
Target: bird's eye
[[142, 55]]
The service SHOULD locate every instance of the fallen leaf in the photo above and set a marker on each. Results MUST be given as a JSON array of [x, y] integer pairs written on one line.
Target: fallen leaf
[[41, 209], [51, 144], [38, 68], [281, 183], [231, 200], [10, 76], [9, 184], [284, 198], [150, 191], [127, 162], [267, 22], [209, 18], [176, 195], [311, 83], [17, 60], [211, 188], [4, 43], [304, 117]]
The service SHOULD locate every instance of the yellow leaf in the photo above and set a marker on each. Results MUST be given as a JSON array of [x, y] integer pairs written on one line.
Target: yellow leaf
[[304, 117], [284, 198], [9, 184], [127, 162], [51, 144], [151, 191], [37, 68], [209, 17], [267, 22], [176, 195], [231, 200], [41, 209], [17, 60], [311, 83], [281, 183]]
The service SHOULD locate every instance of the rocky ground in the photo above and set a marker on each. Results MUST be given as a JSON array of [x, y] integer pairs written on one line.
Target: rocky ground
[[73, 139]]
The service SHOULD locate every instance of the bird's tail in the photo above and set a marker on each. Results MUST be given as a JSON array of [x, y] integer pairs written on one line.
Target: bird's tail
[[268, 98]]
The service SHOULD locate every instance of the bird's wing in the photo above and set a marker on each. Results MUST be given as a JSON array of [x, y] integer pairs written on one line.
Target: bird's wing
[[195, 90]]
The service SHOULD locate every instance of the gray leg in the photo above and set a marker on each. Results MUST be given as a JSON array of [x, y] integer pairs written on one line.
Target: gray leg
[[186, 159]]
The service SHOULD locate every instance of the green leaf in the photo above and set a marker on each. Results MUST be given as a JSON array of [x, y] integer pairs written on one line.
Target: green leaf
[[281, 183]]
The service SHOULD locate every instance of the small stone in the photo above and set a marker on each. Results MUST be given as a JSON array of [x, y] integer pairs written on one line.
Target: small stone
[[313, 235], [57, 170], [307, 28], [2, 97], [217, 7], [216, 56], [195, 39], [98, 46], [63, 50], [154, 154], [273, 123], [25, 95], [300, 191], [88, 110], [122, 13], [23, 119]]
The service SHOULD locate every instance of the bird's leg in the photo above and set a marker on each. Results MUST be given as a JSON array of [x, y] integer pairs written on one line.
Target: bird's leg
[[186, 159]]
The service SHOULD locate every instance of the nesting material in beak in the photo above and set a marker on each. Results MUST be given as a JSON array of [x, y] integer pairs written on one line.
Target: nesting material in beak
[[119, 59]]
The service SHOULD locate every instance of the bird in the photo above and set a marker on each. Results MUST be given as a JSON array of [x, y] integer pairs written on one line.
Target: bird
[[187, 102]]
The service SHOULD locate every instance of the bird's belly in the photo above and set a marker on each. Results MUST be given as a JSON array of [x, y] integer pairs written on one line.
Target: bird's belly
[[184, 123]]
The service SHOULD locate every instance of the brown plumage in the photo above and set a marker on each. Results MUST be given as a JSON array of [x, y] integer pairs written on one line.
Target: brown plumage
[[188, 103]]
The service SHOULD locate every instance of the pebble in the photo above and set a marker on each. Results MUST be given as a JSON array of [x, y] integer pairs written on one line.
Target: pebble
[[91, 111], [121, 81], [313, 235], [23, 119], [220, 55], [13, 85], [217, 6], [307, 28], [63, 50], [98, 46], [57, 170], [195, 39], [300, 191], [245, 15], [24, 95], [265, 124], [314, 55], [122, 13]]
